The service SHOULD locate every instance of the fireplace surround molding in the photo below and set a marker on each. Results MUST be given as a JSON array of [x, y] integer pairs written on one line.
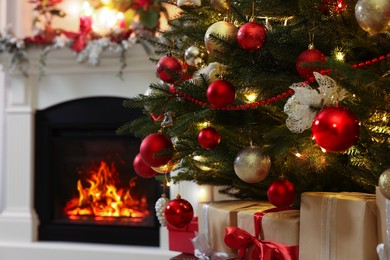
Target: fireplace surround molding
[[64, 80]]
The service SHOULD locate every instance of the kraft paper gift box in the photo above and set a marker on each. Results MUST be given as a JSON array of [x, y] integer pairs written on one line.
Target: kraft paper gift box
[[180, 239], [382, 224], [214, 217], [338, 226], [281, 227]]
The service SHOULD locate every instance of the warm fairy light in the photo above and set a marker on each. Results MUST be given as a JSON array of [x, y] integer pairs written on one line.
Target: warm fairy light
[[298, 155], [323, 150], [251, 97], [105, 2], [384, 118], [340, 56], [201, 194], [201, 159], [204, 124], [87, 9]]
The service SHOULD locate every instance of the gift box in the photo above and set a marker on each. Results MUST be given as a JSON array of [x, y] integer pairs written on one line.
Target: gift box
[[278, 225], [381, 203], [340, 226], [180, 239], [216, 216]]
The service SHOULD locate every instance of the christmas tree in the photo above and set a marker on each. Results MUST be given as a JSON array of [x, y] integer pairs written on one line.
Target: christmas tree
[[253, 92]]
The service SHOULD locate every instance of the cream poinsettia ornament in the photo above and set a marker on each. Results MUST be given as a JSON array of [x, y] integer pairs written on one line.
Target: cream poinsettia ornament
[[303, 106]]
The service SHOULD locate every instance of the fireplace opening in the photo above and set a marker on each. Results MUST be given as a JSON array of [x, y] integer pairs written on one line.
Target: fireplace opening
[[85, 187]]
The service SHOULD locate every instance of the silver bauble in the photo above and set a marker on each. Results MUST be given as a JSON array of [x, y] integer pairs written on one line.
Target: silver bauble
[[223, 30], [384, 183], [373, 16], [252, 165], [196, 56]]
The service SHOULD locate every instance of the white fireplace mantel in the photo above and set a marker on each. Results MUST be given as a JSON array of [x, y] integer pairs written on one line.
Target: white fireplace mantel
[[64, 80]]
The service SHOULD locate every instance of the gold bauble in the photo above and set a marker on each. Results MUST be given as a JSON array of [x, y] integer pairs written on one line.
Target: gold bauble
[[384, 183], [196, 56], [373, 16], [164, 169], [219, 5], [223, 30]]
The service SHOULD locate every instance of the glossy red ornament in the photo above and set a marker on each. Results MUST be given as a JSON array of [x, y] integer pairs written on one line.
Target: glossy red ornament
[[209, 138], [311, 55], [335, 129], [154, 144], [169, 69], [141, 168], [281, 193], [178, 212], [221, 93], [251, 36]]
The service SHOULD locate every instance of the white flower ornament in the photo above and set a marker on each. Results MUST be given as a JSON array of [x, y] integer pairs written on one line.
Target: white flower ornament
[[301, 107]]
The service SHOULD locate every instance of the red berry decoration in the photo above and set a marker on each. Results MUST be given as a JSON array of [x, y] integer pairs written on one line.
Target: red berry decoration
[[335, 129], [209, 138], [251, 36], [309, 56], [178, 212], [169, 69], [152, 146], [221, 93], [141, 168], [281, 193]]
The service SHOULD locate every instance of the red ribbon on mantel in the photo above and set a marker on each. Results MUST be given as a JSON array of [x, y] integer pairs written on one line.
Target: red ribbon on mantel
[[241, 240]]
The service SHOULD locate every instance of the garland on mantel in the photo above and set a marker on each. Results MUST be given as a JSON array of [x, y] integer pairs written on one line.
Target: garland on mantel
[[87, 45]]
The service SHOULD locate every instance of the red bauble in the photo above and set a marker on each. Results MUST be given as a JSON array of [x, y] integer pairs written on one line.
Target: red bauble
[[281, 193], [209, 138], [178, 212], [335, 129], [251, 36], [141, 168], [221, 93], [304, 68], [169, 69], [152, 146]]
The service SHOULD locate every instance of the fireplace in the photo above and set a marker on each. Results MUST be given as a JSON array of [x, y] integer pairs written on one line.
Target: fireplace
[[85, 187]]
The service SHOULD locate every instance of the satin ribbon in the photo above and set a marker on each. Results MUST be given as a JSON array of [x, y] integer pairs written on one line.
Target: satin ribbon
[[241, 240]]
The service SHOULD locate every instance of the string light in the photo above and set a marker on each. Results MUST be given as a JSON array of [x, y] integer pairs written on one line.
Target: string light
[[251, 97]]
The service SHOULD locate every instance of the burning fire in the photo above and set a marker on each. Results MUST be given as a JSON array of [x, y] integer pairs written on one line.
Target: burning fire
[[100, 197]]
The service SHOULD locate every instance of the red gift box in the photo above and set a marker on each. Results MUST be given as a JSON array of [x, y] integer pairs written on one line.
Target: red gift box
[[180, 239]]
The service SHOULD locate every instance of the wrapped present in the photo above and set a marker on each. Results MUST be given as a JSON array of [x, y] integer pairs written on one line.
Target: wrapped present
[[383, 207], [215, 217], [180, 239], [338, 226], [278, 225]]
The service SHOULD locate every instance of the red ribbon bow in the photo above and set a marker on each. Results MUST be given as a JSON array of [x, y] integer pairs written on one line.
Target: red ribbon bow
[[241, 240]]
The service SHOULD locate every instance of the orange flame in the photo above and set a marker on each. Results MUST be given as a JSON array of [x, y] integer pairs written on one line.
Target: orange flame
[[101, 198]]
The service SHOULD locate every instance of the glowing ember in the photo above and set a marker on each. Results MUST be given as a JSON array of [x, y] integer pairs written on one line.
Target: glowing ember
[[101, 198]]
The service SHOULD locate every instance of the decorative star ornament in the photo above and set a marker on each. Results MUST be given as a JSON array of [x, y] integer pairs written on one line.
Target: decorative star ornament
[[303, 106], [194, 2]]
